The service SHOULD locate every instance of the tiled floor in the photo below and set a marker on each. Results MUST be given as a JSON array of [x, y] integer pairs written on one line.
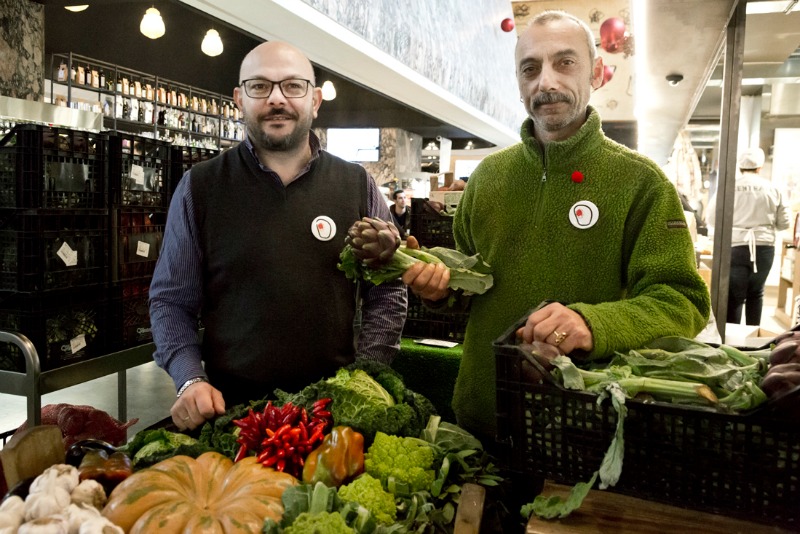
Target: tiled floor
[[151, 392]]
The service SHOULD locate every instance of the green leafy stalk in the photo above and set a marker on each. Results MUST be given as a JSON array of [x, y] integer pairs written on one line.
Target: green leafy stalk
[[469, 274]]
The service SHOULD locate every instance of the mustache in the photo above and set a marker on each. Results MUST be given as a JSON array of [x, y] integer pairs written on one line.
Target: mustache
[[551, 98], [279, 112]]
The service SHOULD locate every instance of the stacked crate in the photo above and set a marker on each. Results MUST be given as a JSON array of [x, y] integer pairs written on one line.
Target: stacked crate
[[53, 244], [183, 157], [432, 230], [139, 177]]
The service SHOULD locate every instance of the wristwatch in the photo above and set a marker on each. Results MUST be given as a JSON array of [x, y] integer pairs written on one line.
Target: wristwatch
[[188, 383]]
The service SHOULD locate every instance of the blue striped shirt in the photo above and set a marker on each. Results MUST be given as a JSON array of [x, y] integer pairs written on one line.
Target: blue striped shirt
[[176, 291]]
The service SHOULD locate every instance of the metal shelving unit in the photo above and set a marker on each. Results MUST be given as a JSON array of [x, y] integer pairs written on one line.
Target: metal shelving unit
[[34, 383]]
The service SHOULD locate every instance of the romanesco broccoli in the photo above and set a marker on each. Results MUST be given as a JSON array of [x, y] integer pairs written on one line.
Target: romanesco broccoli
[[398, 461], [319, 523], [368, 492]]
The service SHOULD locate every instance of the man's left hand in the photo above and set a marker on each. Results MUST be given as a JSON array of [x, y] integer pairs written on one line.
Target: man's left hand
[[557, 325]]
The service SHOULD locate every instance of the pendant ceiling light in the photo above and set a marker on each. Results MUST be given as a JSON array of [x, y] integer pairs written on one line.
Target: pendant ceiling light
[[152, 25], [76, 9], [328, 91], [212, 44]]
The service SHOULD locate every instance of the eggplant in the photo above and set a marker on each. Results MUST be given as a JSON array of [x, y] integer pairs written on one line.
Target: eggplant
[[78, 450], [787, 351]]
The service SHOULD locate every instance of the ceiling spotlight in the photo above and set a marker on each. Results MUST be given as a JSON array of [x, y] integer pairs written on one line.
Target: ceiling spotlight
[[674, 79], [212, 44], [76, 9], [328, 91], [152, 24]]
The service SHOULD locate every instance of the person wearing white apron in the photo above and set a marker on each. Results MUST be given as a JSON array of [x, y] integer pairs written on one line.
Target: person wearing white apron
[[759, 213]]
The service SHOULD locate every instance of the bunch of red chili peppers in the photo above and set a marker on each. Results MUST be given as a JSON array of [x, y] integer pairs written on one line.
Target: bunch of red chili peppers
[[283, 436]]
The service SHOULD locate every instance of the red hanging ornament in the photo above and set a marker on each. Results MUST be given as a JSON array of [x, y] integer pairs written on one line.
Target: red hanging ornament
[[507, 25], [577, 177], [608, 73], [612, 35]]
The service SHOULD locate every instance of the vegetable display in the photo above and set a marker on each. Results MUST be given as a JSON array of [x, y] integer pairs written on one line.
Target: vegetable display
[[373, 241], [207, 494], [368, 397], [670, 369]]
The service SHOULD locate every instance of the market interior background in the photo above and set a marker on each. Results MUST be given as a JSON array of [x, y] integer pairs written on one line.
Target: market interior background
[[449, 95]]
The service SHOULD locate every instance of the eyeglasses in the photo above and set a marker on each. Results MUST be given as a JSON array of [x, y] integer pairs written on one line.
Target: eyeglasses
[[290, 88]]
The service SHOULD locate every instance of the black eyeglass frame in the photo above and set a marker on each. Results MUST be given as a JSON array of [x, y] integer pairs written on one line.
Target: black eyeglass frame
[[279, 84]]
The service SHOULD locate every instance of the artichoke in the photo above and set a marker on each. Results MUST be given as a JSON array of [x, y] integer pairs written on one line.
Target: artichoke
[[373, 241]]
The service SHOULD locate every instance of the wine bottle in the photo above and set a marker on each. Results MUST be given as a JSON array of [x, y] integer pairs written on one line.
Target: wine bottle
[[119, 84], [61, 76], [102, 79], [126, 110]]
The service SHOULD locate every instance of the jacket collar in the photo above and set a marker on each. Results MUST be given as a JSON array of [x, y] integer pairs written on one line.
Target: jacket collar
[[587, 138]]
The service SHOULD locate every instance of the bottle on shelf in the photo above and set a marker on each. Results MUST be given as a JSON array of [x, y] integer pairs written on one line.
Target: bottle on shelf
[[81, 76], [181, 122], [61, 75], [125, 85], [95, 78], [119, 84], [73, 74], [102, 80], [194, 124], [126, 109], [137, 89]]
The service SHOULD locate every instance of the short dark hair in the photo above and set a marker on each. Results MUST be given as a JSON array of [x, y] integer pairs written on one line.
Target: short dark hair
[[396, 192]]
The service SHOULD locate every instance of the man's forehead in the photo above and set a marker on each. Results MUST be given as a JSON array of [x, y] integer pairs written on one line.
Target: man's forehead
[[551, 38]]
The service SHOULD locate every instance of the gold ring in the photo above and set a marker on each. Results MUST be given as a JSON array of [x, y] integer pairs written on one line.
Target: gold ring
[[187, 418], [559, 336]]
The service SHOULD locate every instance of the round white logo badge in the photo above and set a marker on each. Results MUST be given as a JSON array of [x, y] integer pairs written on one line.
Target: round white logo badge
[[583, 214], [323, 228]]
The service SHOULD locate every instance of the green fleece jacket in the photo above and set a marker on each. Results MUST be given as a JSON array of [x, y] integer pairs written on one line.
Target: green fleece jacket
[[631, 274]]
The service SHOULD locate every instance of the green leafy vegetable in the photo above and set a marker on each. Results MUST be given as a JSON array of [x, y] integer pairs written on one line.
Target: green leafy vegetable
[[554, 506], [149, 447], [469, 274], [375, 400]]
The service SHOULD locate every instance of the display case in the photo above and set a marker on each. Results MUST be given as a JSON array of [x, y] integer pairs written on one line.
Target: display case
[[144, 104]]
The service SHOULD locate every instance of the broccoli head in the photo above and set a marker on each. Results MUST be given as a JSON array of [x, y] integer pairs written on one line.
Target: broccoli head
[[402, 464], [368, 492], [327, 522]]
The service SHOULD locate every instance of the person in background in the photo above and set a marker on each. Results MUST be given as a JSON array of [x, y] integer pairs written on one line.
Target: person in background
[[251, 245], [570, 217], [400, 212], [758, 213]]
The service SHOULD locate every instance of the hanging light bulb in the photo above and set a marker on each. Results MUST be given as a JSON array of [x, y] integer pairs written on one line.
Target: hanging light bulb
[[328, 91], [76, 9], [212, 44], [152, 25]]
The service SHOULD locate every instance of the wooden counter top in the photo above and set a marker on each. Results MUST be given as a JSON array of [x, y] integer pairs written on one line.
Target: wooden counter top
[[603, 512]]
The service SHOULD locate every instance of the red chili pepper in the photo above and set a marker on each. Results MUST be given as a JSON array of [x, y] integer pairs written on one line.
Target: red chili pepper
[[240, 454], [303, 431], [269, 462], [280, 465]]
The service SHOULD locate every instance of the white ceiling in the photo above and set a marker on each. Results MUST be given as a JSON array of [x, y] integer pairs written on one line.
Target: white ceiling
[[682, 36]]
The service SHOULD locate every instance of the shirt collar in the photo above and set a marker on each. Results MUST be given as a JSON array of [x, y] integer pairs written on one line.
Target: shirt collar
[[313, 143]]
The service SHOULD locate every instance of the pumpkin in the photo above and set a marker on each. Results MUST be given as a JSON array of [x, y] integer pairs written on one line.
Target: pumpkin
[[210, 494]]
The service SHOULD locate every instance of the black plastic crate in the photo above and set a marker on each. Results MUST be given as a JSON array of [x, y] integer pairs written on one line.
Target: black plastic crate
[[65, 327], [423, 323], [430, 228], [183, 158], [138, 171], [745, 465], [130, 314], [44, 250], [52, 168], [136, 237]]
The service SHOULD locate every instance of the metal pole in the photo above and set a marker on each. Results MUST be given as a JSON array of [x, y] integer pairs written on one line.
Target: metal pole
[[726, 181]]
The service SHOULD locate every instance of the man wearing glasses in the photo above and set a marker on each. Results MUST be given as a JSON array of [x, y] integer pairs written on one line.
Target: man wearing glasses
[[251, 245]]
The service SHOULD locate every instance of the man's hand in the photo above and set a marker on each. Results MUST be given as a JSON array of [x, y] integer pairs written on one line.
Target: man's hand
[[559, 326], [427, 280], [198, 403]]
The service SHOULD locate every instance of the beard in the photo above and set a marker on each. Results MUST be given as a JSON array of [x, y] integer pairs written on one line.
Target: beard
[[553, 123], [279, 143]]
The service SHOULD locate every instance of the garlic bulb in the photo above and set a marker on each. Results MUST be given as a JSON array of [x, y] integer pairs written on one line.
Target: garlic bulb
[[77, 515], [89, 492], [10, 520], [43, 504], [62, 475], [101, 525], [54, 524]]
